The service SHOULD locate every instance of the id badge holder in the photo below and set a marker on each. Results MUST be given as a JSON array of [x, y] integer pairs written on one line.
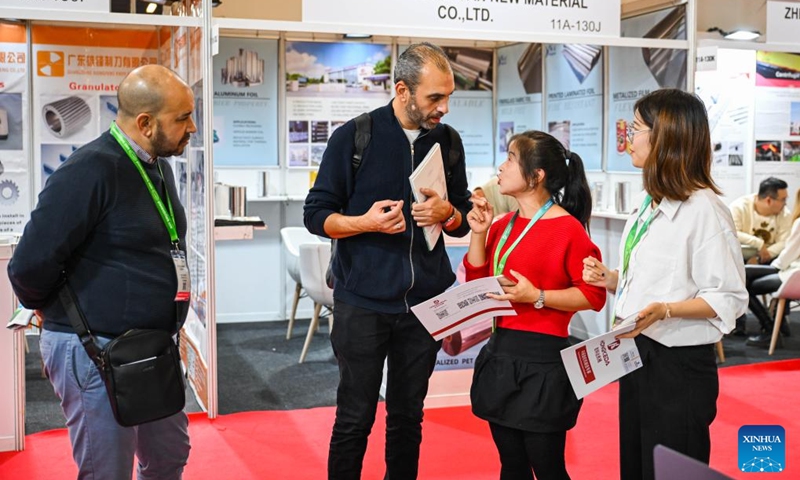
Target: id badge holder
[[182, 273]]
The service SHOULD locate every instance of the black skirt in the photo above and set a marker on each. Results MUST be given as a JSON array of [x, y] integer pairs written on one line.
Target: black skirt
[[520, 382]]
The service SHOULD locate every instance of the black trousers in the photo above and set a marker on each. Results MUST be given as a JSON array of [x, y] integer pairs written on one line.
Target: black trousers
[[671, 401], [362, 340], [760, 280], [523, 454]]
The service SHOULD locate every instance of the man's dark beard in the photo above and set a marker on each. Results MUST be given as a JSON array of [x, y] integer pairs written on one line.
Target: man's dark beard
[[162, 147], [417, 118]]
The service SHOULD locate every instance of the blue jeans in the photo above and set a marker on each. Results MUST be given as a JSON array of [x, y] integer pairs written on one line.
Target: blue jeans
[[362, 340], [102, 448]]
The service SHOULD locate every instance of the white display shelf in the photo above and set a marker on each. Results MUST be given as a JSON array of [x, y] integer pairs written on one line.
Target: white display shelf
[[279, 198], [235, 232], [107, 19]]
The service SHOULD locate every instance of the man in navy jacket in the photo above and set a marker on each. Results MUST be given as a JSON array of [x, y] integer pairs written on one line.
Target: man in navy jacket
[[383, 265]]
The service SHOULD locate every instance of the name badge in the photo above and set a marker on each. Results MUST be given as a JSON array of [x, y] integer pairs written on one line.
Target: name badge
[[182, 274]]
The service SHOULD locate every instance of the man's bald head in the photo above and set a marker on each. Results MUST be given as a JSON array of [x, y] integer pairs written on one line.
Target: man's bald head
[[145, 89]]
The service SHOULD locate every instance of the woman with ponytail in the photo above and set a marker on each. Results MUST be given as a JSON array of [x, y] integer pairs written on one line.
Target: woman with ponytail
[[519, 385]]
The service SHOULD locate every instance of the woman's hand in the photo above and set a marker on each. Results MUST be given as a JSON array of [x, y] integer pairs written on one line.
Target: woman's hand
[[522, 292], [597, 274], [481, 215], [647, 316]]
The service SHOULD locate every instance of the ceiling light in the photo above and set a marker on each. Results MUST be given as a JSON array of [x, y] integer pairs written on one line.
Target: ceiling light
[[151, 7], [736, 34], [357, 36]]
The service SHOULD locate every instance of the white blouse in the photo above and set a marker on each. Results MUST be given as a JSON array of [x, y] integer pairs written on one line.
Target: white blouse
[[690, 250]]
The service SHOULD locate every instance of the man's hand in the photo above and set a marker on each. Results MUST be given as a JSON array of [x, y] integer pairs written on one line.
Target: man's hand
[[385, 216], [432, 211], [763, 255]]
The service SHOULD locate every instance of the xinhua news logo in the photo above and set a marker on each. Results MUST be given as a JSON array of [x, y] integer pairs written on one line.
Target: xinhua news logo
[[762, 448]]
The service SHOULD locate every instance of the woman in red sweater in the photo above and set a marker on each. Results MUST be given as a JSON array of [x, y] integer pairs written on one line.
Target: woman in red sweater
[[520, 386]]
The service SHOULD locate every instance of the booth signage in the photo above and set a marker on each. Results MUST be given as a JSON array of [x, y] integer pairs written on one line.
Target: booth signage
[[61, 5], [706, 59], [462, 18], [783, 21]]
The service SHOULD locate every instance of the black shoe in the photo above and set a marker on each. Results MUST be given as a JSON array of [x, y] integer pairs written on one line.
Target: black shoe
[[763, 340]]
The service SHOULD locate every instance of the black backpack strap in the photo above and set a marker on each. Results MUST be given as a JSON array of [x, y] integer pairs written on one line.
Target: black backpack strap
[[456, 151], [361, 140]]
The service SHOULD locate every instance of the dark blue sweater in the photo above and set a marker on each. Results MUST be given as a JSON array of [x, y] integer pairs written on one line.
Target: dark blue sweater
[[96, 221], [378, 271]]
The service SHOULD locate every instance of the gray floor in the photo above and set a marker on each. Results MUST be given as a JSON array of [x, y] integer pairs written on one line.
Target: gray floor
[[258, 370]]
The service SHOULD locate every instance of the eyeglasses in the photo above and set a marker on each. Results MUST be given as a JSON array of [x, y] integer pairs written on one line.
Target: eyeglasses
[[630, 132]]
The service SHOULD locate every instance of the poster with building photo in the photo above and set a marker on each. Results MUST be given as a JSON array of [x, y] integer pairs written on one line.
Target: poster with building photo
[[727, 91], [326, 85], [15, 195], [777, 117], [635, 72], [519, 93], [575, 99], [246, 103]]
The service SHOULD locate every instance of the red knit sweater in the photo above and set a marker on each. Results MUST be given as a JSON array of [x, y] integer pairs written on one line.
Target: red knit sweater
[[550, 256]]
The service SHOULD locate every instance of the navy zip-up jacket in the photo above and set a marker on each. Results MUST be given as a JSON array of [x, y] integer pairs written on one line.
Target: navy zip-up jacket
[[378, 271]]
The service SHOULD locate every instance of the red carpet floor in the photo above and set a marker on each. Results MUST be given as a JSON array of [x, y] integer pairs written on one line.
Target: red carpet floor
[[291, 445]]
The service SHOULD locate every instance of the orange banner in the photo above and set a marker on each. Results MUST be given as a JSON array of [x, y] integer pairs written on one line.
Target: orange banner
[[94, 37], [12, 33]]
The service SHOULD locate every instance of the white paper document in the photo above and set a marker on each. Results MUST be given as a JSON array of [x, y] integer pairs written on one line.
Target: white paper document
[[20, 319], [461, 307], [599, 361], [430, 174]]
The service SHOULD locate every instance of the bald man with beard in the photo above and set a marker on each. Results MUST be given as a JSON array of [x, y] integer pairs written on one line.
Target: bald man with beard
[[97, 225]]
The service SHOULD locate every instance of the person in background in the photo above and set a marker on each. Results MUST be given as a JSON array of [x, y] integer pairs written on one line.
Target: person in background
[[762, 224], [383, 265], [764, 279], [681, 276], [520, 385], [500, 203], [762, 220], [97, 224]]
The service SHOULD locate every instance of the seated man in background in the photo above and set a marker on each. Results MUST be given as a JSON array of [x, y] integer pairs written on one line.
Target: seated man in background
[[501, 204], [762, 222]]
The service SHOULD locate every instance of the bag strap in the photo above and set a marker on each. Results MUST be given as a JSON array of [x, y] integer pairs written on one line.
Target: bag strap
[[79, 324], [361, 140], [456, 151]]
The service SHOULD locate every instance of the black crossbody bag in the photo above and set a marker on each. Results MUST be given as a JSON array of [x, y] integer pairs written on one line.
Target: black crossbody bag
[[141, 368]]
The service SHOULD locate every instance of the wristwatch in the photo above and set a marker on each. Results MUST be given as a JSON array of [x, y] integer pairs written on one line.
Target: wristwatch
[[540, 302]]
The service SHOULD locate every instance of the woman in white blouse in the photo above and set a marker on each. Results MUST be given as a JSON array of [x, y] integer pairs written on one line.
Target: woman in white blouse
[[681, 273]]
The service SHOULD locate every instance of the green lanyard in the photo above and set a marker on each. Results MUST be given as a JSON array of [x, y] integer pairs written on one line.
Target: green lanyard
[[167, 217], [633, 236], [500, 263]]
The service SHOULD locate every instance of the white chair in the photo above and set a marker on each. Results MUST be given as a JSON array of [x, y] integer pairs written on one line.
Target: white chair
[[292, 238], [789, 292], [314, 259]]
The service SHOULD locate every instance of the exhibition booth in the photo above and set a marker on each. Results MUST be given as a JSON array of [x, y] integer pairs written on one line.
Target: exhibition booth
[[272, 83]]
